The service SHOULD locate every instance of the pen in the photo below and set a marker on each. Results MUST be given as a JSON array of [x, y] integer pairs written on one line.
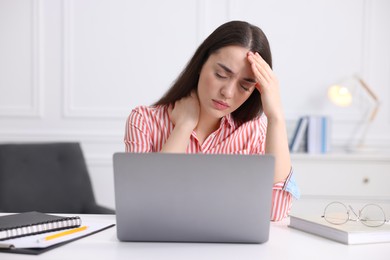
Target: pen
[[64, 233]]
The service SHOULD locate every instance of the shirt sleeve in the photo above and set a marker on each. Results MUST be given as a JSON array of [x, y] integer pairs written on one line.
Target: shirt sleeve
[[137, 134], [282, 197]]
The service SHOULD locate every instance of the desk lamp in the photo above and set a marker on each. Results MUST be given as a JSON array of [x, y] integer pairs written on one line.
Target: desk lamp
[[345, 94]]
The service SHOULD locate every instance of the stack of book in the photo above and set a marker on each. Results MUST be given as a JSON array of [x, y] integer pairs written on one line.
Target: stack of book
[[350, 233], [311, 135]]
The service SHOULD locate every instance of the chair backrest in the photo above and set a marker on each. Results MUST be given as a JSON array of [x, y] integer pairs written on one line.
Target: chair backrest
[[46, 177]]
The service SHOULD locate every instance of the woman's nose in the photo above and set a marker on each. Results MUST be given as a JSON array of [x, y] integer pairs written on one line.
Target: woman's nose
[[227, 90]]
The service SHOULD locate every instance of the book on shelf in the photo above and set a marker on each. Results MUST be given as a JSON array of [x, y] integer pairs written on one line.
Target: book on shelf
[[349, 233], [311, 135], [299, 135], [32, 223], [318, 134]]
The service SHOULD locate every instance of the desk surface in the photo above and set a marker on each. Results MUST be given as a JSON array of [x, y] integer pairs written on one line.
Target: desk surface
[[284, 243]]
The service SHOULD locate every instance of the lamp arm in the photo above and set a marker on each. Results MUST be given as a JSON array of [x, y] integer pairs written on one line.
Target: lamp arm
[[374, 112], [356, 142], [368, 89], [372, 95]]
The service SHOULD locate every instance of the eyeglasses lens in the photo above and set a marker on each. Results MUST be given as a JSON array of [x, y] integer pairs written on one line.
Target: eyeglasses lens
[[336, 213], [372, 215]]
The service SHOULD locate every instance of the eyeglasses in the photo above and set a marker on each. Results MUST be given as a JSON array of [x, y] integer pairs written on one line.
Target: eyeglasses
[[371, 215]]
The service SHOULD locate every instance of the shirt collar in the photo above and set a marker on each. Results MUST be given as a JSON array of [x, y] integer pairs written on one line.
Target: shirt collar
[[227, 120]]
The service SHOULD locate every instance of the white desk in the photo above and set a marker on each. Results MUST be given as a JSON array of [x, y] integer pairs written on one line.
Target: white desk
[[284, 243]]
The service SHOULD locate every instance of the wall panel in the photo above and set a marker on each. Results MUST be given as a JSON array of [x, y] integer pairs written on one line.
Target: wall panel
[[116, 54], [21, 56]]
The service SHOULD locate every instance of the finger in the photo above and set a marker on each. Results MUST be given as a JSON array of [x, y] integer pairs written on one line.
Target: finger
[[264, 66], [259, 87], [259, 66], [260, 73], [261, 61]]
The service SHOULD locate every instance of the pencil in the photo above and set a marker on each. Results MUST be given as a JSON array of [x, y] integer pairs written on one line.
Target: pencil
[[67, 232]]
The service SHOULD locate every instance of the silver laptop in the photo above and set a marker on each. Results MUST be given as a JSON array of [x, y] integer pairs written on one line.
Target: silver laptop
[[164, 197]]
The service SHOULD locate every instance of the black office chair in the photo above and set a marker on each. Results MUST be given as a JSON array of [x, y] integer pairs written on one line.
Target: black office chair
[[46, 177]]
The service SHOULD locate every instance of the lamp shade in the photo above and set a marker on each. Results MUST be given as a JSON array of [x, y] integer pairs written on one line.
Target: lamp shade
[[340, 95], [344, 94]]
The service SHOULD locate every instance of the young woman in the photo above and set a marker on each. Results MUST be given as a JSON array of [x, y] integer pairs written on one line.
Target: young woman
[[226, 100]]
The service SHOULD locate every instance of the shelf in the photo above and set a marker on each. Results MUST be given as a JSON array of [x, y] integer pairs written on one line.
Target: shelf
[[342, 156]]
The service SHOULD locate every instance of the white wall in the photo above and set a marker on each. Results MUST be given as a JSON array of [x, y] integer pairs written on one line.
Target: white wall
[[72, 70]]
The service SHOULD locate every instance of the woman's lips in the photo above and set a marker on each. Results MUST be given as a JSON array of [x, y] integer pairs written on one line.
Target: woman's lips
[[220, 105]]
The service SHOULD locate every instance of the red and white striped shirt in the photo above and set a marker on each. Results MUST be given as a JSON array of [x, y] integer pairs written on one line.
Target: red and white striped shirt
[[148, 128]]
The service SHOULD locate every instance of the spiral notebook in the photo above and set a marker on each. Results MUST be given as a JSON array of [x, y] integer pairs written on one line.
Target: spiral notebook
[[32, 223], [35, 233]]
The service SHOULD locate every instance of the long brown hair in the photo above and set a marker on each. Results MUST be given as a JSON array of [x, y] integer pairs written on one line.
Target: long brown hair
[[238, 33]]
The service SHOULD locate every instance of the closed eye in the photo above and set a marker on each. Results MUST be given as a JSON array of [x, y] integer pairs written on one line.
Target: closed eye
[[245, 88], [220, 76]]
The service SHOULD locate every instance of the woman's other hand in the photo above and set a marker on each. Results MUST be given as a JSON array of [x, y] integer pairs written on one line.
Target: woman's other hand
[[185, 112], [268, 86]]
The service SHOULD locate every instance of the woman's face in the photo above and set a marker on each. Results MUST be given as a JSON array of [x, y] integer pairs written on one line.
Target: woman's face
[[226, 81]]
